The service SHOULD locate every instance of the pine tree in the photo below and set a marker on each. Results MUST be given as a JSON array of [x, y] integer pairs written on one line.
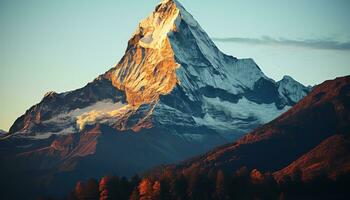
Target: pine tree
[[135, 195], [156, 191], [145, 189], [180, 187], [79, 191], [221, 186], [108, 188], [91, 190]]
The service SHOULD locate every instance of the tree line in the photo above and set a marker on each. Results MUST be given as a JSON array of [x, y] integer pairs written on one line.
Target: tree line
[[211, 185]]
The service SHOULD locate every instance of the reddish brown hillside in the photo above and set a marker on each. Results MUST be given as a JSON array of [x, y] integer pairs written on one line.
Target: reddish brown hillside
[[324, 112], [331, 158]]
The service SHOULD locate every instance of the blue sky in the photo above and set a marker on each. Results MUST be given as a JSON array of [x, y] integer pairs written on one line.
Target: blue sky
[[62, 45]]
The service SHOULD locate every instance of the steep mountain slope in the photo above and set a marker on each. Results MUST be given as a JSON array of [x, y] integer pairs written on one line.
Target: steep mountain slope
[[173, 95], [322, 116], [331, 158]]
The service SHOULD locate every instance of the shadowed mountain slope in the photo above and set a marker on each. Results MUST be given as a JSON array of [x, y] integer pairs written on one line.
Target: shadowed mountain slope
[[318, 125]]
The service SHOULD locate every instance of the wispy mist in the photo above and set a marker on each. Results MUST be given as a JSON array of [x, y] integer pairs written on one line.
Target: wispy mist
[[307, 43]]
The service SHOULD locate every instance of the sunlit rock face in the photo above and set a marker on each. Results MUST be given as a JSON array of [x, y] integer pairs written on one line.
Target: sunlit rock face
[[173, 95], [148, 68]]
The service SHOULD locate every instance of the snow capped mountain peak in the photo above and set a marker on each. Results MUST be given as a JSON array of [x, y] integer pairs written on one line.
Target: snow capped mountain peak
[[292, 90], [288, 78], [170, 66], [154, 29], [170, 52], [168, 1], [50, 94]]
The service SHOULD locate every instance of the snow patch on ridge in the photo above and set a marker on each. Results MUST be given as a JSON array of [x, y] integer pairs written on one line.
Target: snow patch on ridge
[[99, 112], [46, 135], [76, 119]]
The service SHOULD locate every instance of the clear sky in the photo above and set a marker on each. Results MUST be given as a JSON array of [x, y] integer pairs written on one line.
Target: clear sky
[[48, 45]]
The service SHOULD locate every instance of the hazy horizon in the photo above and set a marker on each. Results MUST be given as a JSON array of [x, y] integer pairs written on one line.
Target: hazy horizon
[[61, 46]]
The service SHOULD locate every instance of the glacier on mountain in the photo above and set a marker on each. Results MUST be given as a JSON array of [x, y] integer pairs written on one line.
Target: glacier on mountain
[[243, 115]]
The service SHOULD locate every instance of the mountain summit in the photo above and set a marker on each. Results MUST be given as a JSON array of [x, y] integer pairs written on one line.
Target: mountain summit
[[170, 66], [173, 95]]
